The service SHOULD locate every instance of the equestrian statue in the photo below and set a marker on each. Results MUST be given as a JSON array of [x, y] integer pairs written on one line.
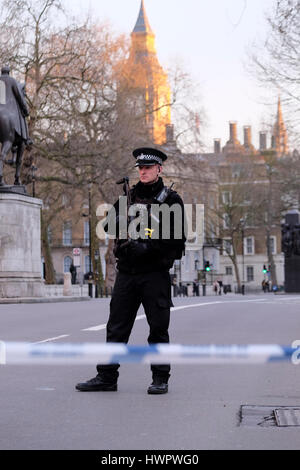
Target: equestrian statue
[[14, 135]]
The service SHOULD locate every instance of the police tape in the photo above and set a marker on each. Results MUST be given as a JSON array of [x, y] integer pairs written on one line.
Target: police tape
[[111, 353]]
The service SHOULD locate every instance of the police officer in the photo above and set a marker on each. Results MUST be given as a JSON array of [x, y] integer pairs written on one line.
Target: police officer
[[143, 274]]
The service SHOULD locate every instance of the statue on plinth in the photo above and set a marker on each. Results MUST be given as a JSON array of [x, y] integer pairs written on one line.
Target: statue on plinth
[[14, 134]]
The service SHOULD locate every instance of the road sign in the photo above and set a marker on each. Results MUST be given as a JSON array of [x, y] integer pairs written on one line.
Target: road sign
[[76, 251], [76, 261]]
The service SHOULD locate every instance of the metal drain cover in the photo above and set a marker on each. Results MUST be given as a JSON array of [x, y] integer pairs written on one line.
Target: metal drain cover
[[287, 416], [269, 416], [257, 415]]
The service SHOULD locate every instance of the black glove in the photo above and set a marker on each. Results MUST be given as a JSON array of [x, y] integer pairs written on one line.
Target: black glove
[[138, 249]]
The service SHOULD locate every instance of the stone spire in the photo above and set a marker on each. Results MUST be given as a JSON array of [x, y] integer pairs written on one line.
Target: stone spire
[[142, 36], [280, 143], [142, 24]]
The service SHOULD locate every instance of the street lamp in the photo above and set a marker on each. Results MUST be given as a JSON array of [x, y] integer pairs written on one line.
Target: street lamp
[[97, 257], [90, 241], [33, 171], [89, 215], [90, 226], [242, 222]]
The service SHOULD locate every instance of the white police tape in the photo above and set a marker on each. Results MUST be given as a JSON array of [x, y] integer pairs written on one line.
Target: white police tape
[[110, 353], [2, 353]]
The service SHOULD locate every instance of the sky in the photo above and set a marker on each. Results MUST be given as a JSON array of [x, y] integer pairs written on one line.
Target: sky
[[209, 38]]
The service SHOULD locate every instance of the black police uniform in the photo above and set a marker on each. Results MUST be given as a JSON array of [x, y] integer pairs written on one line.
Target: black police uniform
[[143, 277]]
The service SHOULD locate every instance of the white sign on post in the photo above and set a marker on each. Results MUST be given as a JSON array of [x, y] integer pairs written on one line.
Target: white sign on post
[[76, 257], [76, 261]]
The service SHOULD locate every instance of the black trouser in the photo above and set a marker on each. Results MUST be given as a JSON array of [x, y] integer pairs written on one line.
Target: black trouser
[[153, 291]]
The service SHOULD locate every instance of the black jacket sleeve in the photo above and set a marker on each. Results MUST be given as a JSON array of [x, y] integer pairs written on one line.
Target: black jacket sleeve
[[174, 246]]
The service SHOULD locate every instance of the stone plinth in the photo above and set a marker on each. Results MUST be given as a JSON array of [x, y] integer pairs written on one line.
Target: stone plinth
[[20, 246], [67, 284]]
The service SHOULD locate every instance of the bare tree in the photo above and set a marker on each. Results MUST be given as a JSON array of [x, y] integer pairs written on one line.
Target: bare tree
[[276, 61]]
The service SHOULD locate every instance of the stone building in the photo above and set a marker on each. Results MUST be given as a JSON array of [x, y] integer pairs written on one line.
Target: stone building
[[240, 170]]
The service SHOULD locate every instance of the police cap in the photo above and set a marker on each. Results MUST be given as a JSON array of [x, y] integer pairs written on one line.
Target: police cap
[[149, 156]]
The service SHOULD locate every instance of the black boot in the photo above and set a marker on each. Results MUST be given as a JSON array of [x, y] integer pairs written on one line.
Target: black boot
[[97, 384], [158, 386]]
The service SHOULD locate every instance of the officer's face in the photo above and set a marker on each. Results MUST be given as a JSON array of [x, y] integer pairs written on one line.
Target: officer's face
[[149, 174]]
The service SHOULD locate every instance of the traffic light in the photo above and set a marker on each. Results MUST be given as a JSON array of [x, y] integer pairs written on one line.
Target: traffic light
[[207, 266], [265, 269]]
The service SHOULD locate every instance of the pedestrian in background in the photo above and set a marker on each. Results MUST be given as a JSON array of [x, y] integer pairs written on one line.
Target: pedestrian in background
[[220, 286], [216, 287]]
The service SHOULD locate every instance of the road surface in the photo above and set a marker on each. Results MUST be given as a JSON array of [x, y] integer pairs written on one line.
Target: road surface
[[40, 408]]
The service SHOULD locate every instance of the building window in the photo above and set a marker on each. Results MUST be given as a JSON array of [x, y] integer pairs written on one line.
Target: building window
[[249, 220], [273, 247], [226, 220], [236, 172], [86, 235], [226, 197], [249, 245], [227, 247], [66, 201], [87, 264], [67, 234], [246, 201], [212, 230], [228, 270], [187, 261], [250, 273], [67, 264], [46, 203], [49, 234]]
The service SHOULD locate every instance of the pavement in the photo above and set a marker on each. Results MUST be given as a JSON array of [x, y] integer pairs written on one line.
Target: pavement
[[40, 408], [42, 300]]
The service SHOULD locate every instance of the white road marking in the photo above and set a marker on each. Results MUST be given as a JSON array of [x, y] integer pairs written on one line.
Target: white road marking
[[181, 307], [102, 327], [45, 389], [51, 339]]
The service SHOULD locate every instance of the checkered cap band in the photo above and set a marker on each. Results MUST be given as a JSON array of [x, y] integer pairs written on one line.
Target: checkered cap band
[[146, 158]]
